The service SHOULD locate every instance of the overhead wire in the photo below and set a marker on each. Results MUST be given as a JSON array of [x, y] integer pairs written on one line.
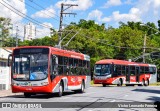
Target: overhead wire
[[23, 15], [48, 11], [94, 39], [100, 40], [38, 10]]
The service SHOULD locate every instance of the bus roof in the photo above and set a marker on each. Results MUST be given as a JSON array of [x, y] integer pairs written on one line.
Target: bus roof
[[61, 52], [120, 62]]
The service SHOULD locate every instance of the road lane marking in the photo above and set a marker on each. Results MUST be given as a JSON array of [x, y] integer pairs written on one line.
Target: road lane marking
[[158, 95], [125, 95], [65, 97], [113, 100], [89, 93]]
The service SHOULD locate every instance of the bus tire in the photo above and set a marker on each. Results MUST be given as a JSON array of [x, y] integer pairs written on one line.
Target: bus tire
[[139, 84], [27, 95], [147, 83], [143, 82], [104, 85], [82, 87], [120, 82], [60, 92]]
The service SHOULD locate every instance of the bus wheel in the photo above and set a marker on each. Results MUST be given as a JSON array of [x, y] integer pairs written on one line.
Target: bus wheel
[[143, 82], [147, 83], [27, 95], [60, 93], [120, 82], [104, 85], [82, 88]]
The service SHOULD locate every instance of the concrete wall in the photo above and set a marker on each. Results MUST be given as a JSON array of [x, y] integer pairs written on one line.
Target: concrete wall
[[5, 75], [5, 78]]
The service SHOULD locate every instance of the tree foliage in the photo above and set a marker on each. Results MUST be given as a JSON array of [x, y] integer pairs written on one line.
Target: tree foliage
[[5, 27], [124, 42]]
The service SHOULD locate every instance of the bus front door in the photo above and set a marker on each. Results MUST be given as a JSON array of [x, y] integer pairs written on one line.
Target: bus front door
[[137, 74], [127, 75]]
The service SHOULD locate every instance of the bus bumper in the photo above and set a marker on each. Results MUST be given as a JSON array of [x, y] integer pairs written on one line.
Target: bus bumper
[[35, 89]]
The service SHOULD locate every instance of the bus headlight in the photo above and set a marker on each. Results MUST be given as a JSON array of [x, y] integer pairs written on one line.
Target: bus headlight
[[44, 83], [15, 84]]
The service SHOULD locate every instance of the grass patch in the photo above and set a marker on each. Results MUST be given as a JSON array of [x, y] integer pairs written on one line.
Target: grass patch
[[91, 82], [155, 84]]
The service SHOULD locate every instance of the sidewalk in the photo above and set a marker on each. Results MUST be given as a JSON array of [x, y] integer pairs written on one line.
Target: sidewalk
[[4, 93]]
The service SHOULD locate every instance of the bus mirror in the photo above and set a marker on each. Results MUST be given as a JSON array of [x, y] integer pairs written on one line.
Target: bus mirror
[[9, 59]]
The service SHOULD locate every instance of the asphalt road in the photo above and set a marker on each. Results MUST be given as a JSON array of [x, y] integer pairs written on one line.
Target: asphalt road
[[94, 99]]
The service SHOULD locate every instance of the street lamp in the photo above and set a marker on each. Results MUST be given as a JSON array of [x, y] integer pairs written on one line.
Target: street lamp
[[142, 24], [144, 43]]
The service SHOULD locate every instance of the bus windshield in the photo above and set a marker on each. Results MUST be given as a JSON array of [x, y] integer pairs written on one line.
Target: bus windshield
[[30, 66], [102, 69]]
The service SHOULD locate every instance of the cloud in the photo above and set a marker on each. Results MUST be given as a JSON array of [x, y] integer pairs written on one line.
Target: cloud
[[111, 3], [96, 14], [142, 10], [129, 2], [149, 10], [5, 12], [47, 13], [133, 15], [82, 4]]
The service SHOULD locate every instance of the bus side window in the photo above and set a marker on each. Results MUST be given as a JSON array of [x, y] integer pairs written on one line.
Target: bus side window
[[60, 65], [132, 70], [55, 64], [114, 70], [65, 66], [71, 67]]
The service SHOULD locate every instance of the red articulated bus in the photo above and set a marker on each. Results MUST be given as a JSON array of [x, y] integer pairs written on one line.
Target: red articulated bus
[[119, 72], [44, 69]]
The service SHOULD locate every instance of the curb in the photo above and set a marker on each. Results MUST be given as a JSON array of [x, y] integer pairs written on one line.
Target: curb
[[5, 93], [95, 85]]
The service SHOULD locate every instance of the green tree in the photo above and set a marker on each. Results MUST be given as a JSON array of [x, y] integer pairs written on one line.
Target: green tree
[[5, 26]]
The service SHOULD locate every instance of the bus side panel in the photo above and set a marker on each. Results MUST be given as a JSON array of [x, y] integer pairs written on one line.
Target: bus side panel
[[132, 79], [86, 79], [116, 79], [144, 77], [56, 83]]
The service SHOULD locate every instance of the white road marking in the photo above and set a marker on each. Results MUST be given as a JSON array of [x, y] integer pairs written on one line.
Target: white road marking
[[89, 93], [157, 95], [65, 97], [113, 100]]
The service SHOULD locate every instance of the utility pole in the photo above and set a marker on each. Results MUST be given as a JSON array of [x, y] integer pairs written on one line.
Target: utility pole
[[16, 36], [144, 48], [1, 37], [61, 19]]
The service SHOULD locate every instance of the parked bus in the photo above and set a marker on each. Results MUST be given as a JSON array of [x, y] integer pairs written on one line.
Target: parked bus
[[119, 72], [44, 69]]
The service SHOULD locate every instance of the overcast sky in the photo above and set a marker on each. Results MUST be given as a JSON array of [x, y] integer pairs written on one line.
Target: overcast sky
[[46, 12]]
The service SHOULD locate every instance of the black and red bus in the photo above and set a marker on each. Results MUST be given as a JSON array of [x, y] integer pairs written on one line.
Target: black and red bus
[[44, 69], [119, 72]]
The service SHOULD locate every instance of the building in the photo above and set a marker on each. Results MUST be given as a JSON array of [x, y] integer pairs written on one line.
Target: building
[[29, 31], [5, 75]]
